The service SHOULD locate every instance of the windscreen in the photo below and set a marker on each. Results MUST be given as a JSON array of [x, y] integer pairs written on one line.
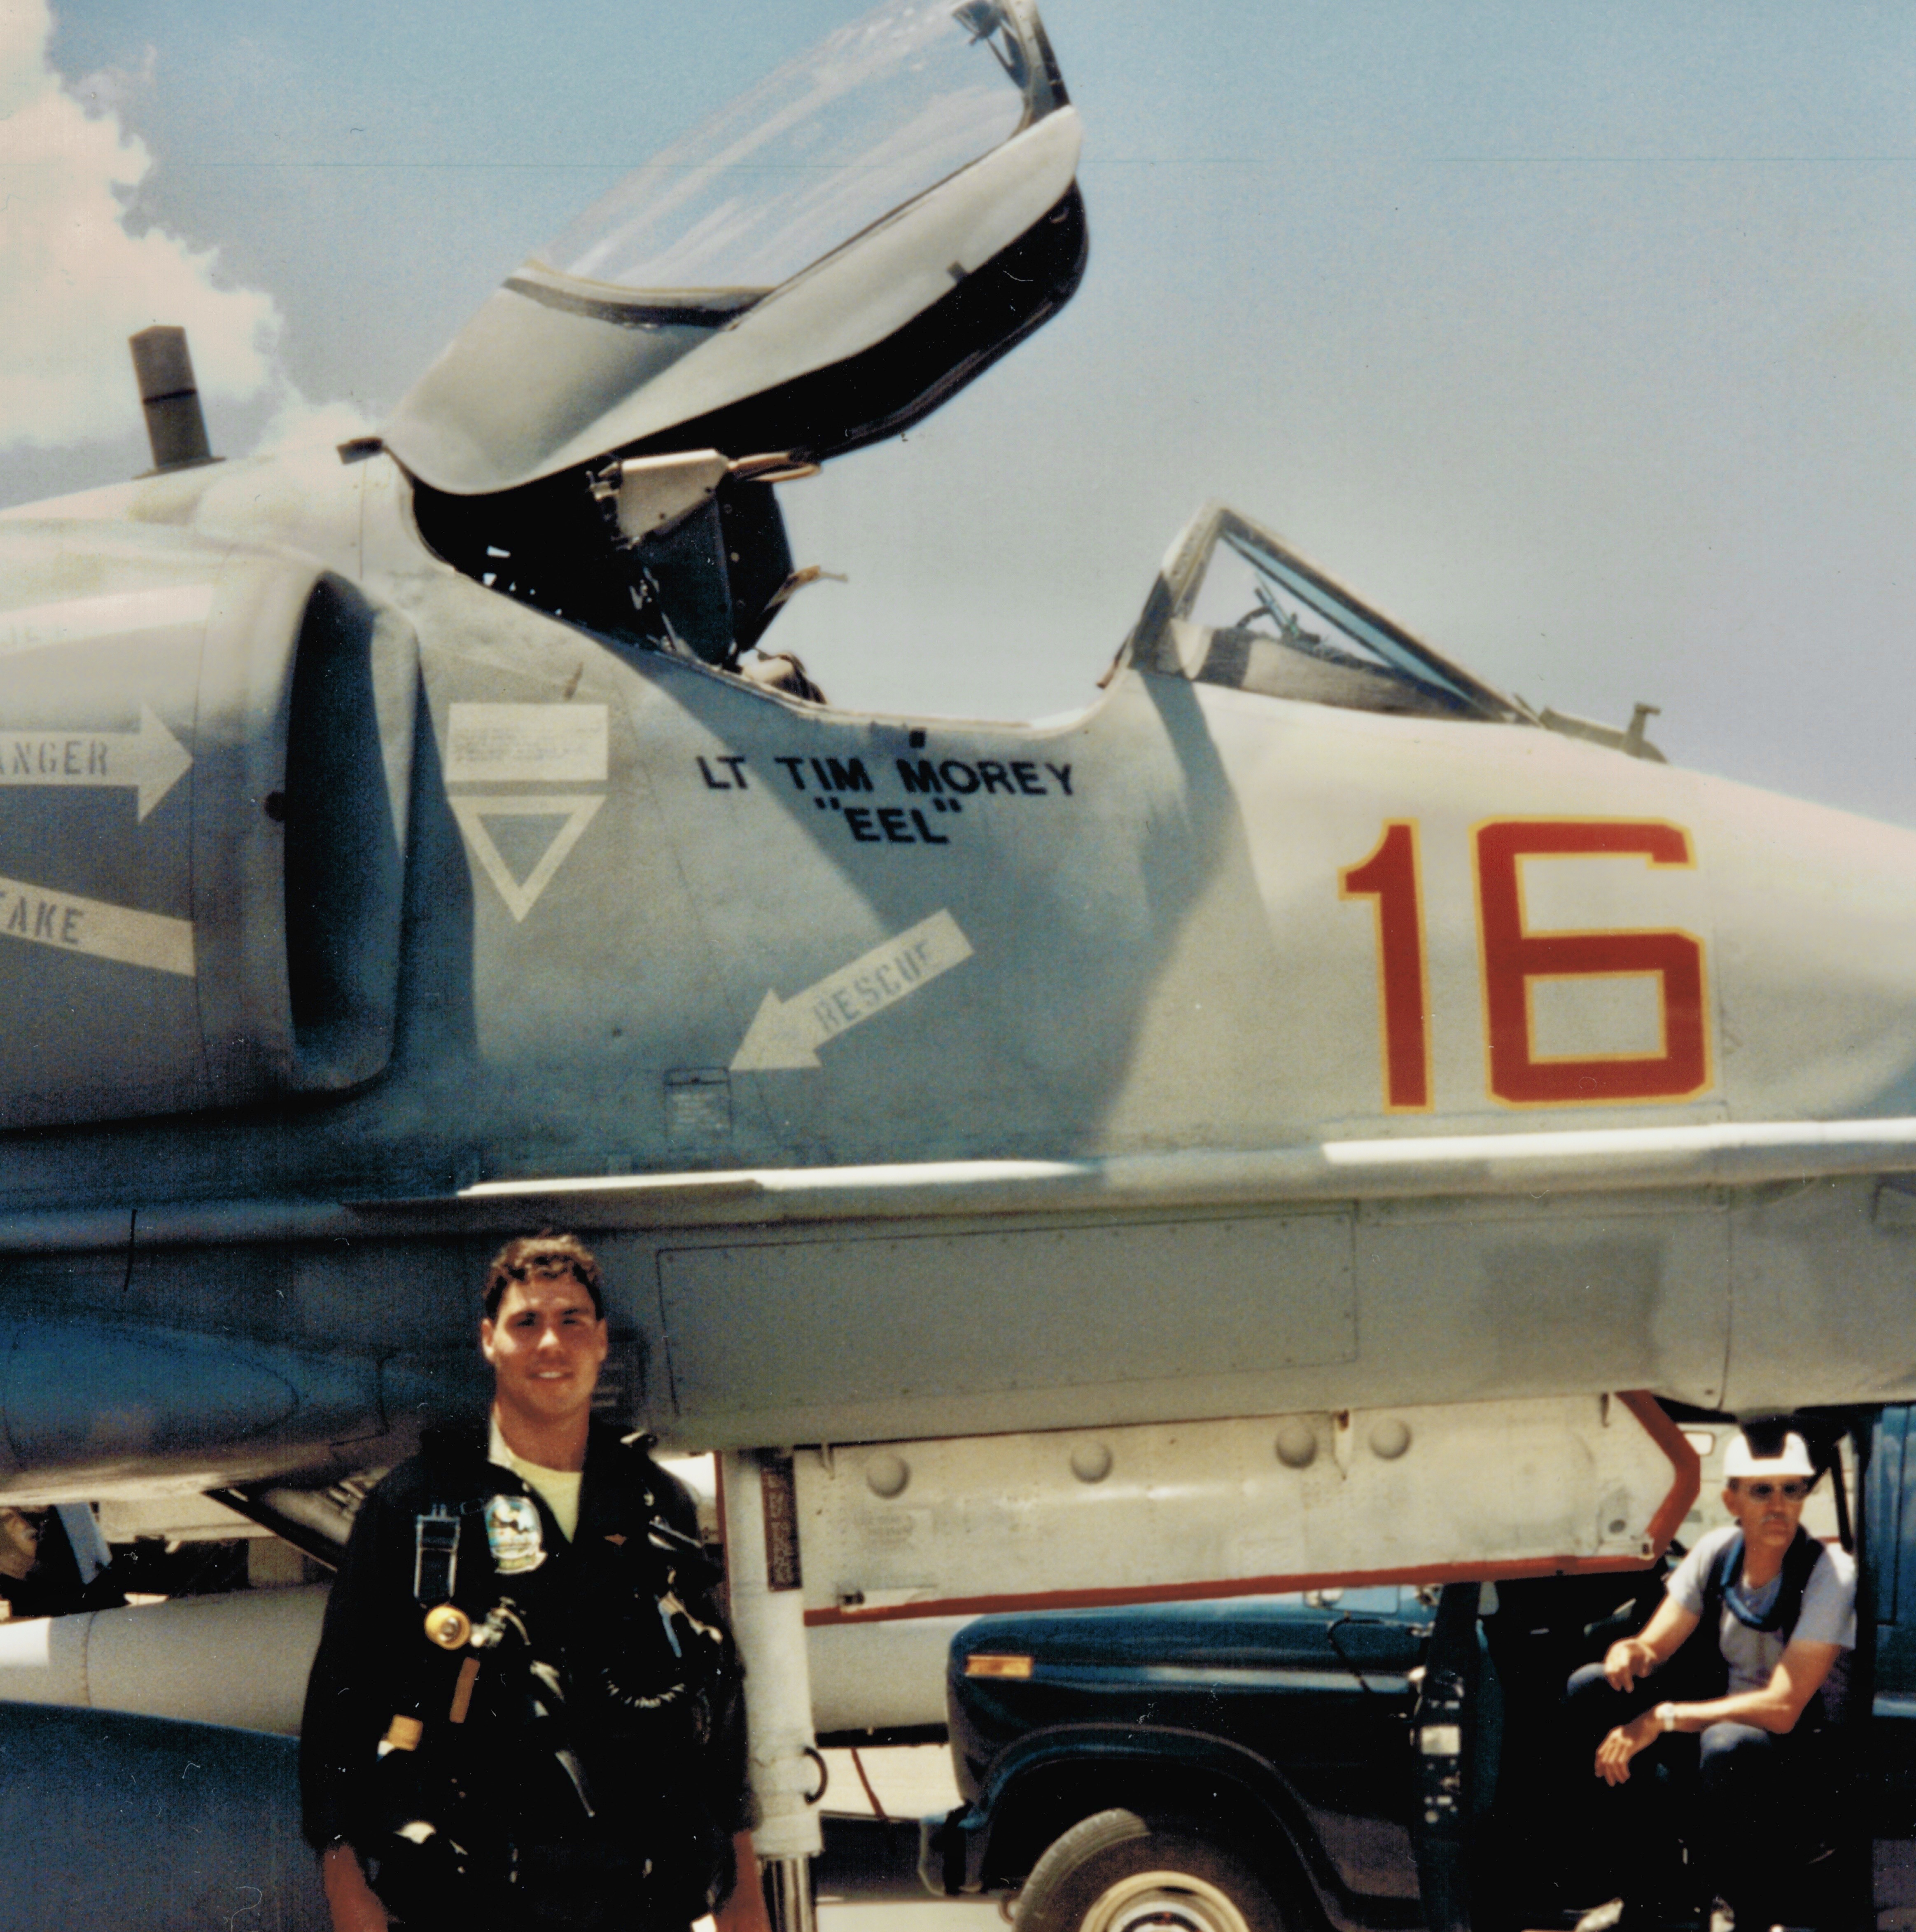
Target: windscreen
[[1253, 587], [834, 140]]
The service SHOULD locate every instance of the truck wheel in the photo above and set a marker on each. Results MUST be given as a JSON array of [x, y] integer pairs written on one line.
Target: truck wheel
[[1113, 1872]]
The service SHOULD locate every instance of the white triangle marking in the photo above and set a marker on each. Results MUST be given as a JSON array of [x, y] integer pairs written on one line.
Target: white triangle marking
[[471, 813]]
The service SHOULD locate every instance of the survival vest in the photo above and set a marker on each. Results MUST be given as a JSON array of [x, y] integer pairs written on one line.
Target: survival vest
[[526, 1680]]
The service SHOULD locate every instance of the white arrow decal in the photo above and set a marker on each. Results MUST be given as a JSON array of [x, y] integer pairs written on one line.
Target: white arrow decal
[[73, 925], [151, 760], [789, 1033]]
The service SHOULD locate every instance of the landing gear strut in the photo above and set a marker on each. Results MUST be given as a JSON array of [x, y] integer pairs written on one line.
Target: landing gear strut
[[768, 1619]]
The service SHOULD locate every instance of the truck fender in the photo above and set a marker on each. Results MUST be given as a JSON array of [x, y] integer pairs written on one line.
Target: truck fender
[[1052, 1778]]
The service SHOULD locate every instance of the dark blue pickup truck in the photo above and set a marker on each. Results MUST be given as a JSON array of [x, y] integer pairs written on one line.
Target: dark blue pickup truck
[[1378, 1757]]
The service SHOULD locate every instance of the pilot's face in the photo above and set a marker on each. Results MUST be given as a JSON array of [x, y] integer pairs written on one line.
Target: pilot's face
[[1767, 1508], [545, 1345]]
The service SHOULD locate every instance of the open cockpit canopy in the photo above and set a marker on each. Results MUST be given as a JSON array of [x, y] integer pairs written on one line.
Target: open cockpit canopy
[[817, 266]]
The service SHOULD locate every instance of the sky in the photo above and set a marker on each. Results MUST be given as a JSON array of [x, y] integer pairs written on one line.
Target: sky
[[1582, 339]]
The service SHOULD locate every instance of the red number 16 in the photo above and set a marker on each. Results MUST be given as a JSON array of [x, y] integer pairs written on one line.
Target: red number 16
[[1514, 957]]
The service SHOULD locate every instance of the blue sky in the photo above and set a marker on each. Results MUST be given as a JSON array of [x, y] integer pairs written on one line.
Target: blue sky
[[1582, 339]]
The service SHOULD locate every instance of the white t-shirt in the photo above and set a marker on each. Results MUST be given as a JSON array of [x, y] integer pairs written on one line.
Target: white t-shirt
[[560, 1488], [1828, 1614]]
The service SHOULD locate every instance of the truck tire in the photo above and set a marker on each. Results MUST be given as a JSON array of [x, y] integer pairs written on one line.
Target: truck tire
[[1112, 1872]]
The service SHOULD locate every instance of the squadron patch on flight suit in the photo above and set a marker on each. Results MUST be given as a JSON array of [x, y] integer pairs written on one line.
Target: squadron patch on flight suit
[[512, 1531]]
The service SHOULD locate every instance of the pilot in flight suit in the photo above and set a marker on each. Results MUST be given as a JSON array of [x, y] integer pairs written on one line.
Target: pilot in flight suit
[[526, 1710]]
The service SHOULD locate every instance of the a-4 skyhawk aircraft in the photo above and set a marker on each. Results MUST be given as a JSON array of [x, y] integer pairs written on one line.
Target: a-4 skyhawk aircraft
[[1275, 1123]]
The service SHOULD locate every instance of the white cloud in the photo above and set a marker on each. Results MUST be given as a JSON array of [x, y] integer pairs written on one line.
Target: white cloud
[[75, 283], [297, 425]]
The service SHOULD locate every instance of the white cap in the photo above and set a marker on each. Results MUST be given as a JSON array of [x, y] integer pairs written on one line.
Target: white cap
[[1740, 1460]]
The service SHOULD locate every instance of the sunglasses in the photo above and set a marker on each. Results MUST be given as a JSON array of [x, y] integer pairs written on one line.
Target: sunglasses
[[1790, 1492]]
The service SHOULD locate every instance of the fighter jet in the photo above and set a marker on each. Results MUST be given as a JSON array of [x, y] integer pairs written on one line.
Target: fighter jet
[[1301, 1066]]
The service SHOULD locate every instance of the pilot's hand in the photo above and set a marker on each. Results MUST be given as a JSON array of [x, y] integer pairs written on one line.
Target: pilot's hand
[[744, 1911], [369, 1916], [1624, 1662], [354, 1905], [1614, 1753]]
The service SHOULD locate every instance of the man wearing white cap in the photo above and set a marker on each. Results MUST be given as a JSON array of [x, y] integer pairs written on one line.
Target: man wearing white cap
[[1782, 1609]]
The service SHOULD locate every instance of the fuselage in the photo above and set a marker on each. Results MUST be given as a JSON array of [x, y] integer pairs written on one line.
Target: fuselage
[[640, 918]]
